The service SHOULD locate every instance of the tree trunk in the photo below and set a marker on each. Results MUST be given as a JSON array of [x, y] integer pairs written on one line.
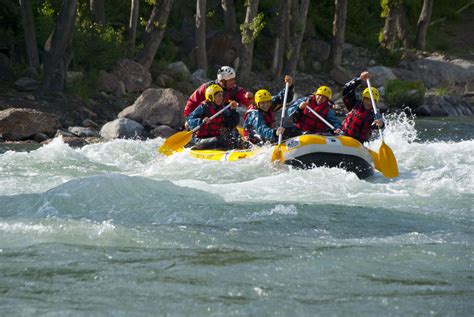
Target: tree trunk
[[281, 39], [230, 23], [299, 12], [28, 23], [338, 32], [97, 9], [201, 56], [132, 25], [154, 31], [248, 39], [57, 50], [422, 25], [402, 24]]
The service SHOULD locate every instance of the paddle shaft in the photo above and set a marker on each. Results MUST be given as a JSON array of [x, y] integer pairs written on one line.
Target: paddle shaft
[[373, 105], [212, 117], [283, 111]]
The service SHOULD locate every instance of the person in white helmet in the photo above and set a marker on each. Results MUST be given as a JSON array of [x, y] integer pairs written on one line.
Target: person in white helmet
[[232, 92]]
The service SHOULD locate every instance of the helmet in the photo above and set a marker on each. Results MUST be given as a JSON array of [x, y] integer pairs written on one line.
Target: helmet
[[225, 73], [375, 92], [212, 90], [262, 95], [325, 91]]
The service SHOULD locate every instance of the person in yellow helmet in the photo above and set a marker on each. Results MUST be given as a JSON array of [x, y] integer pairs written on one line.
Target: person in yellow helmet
[[320, 102], [215, 133], [259, 120], [360, 120]]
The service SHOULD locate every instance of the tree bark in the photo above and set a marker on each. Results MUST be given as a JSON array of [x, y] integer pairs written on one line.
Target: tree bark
[[57, 50], [389, 29], [402, 24], [28, 23], [281, 39], [299, 12], [132, 24], [422, 25], [201, 56], [338, 33], [246, 53], [154, 31], [230, 23], [97, 9]]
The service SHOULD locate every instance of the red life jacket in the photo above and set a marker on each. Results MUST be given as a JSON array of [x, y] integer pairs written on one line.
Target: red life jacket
[[268, 118], [213, 128], [308, 121], [358, 123]]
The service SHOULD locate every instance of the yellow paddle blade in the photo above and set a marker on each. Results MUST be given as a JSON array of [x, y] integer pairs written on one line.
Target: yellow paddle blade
[[175, 142], [388, 161], [376, 158], [277, 154]]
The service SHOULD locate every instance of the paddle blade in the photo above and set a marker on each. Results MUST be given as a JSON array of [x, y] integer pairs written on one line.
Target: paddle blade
[[175, 142], [388, 161], [277, 155]]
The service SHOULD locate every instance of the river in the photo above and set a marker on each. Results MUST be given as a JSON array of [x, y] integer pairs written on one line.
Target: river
[[117, 229]]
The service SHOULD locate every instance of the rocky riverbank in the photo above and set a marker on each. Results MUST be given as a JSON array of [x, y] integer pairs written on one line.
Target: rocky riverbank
[[134, 103]]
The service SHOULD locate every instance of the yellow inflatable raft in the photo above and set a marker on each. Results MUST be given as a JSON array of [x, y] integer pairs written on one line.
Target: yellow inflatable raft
[[308, 151]]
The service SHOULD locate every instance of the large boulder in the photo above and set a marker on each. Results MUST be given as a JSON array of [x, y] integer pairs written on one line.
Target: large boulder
[[135, 77], [107, 82], [156, 107], [27, 84], [19, 123], [179, 71], [381, 75], [340, 75], [122, 129]]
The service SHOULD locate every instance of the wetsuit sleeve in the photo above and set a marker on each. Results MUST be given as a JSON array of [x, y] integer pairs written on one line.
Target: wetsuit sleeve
[[277, 100], [198, 96], [332, 119], [293, 109], [258, 124], [195, 118], [349, 93], [241, 99]]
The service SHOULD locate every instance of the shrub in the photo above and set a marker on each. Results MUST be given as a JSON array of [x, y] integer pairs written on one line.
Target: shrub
[[399, 93]]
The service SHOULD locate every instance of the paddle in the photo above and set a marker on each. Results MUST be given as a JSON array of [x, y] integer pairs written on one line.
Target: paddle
[[277, 154], [180, 139], [386, 159]]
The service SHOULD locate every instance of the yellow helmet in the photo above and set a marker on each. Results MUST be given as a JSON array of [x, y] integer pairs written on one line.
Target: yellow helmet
[[325, 91], [375, 92], [211, 91], [262, 95]]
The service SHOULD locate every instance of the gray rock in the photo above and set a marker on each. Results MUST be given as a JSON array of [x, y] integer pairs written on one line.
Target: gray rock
[[320, 50], [340, 75], [165, 81], [72, 77], [19, 123], [122, 128], [40, 137], [107, 82], [134, 75], [88, 123], [83, 132], [381, 75], [63, 134], [163, 131], [120, 91], [26, 84], [179, 71], [423, 111], [157, 106], [199, 77]]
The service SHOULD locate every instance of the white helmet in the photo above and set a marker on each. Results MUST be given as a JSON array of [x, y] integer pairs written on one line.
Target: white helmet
[[225, 73]]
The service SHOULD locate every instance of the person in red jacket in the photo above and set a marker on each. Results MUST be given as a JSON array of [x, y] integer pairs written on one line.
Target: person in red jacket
[[360, 120], [226, 79]]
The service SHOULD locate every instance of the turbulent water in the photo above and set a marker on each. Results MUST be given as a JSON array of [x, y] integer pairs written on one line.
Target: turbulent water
[[117, 229]]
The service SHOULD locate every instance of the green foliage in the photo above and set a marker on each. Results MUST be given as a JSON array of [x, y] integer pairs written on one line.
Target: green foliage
[[400, 93], [254, 28], [388, 58], [86, 87], [441, 91], [96, 46]]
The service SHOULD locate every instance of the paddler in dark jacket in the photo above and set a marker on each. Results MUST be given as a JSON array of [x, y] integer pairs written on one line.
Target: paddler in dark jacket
[[215, 133], [360, 120]]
